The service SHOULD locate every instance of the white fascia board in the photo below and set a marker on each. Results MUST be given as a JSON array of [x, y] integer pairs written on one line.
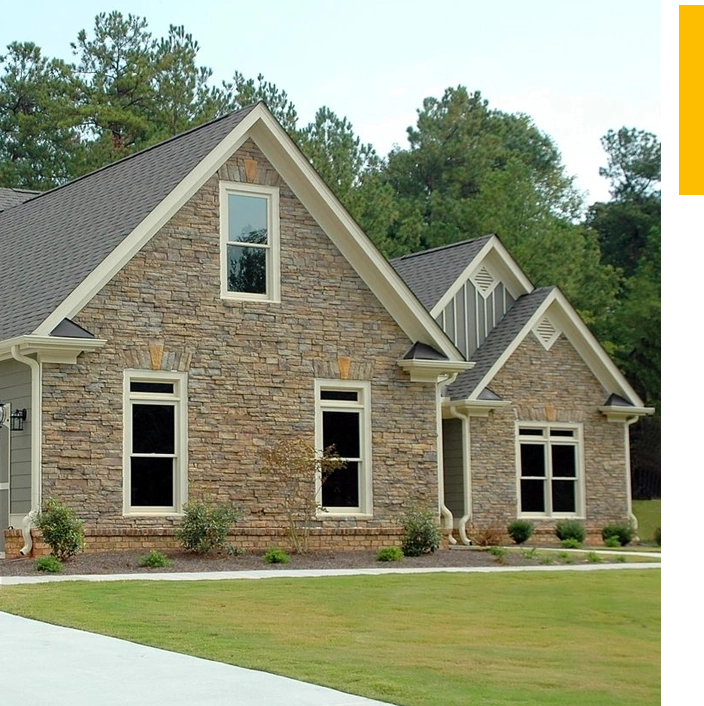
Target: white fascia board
[[619, 413], [50, 349], [141, 235], [584, 342], [432, 370], [499, 260], [472, 408], [345, 233]]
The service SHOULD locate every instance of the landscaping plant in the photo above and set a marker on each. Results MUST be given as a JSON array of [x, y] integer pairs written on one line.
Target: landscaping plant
[[389, 554], [61, 529], [421, 533], [205, 528], [49, 564], [520, 531], [570, 529], [154, 560], [623, 533], [276, 556], [293, 465]]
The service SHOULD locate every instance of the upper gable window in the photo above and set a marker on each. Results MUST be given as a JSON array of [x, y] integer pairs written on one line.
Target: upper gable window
[[249, 241]]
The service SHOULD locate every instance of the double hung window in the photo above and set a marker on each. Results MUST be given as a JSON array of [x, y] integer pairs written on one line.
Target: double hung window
[[549, 460]]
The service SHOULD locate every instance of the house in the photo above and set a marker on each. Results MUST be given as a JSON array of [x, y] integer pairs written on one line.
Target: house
[[168, 316]]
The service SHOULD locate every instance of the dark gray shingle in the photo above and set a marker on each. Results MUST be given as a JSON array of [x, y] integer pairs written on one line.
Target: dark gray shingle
[[14, 197], [496, 343], [430, 273], [51, 243]]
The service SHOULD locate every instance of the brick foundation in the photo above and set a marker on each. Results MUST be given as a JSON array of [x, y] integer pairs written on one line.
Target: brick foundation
[[249, 539]]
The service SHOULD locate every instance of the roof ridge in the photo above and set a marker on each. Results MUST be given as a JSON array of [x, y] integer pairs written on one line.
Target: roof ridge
[[442, 247], [156, 145]]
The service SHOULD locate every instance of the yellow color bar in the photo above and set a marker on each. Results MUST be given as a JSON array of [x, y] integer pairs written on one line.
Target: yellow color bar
[[691, 99]]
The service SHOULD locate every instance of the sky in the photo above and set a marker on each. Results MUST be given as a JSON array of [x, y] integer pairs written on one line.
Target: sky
[[578, 69]]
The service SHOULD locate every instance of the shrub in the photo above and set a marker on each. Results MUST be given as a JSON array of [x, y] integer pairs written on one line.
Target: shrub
[[421, 533], [500, 553], [529, 553], [50, 564], [389, 554], [205, 528], [612, 542], [570, 529], [570, 543], [154, 560], [623, 533], [565, 558], [659, 536], [487, 537], [61, 529], [520, 531], [593, 558], [276, 556]]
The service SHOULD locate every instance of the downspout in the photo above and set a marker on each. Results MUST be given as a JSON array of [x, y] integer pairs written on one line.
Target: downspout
[[627, 445], [444, 510], [466, 472], [36, 463]]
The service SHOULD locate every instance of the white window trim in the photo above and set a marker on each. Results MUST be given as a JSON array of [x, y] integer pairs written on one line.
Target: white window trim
[[577, 441], [273, 260], [363, 388], [179, 398]]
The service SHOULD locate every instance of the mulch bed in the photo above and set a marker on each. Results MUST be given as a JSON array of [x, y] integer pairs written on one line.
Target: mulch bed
[[128, 562]]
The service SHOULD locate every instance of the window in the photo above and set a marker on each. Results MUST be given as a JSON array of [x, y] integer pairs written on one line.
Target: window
[[343, 420], [549, 470], [249, 249], [154, 442]]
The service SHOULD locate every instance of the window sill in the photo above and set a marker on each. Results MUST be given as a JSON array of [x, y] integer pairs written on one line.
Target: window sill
[[332, 514]]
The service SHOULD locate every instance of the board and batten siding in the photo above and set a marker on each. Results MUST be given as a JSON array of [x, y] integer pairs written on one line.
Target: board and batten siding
[[16, 389], [453, 472], [472, 313]]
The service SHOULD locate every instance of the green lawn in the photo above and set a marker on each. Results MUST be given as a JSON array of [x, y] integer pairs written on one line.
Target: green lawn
[[648, 514], [448, 639]]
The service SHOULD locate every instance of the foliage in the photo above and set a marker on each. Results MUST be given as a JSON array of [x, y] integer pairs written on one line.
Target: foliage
[[487, 536], [565, 558], [49, 564], [276, 556], [61, 529], [204, 528], [570, 543], [520, 531], [570, 529], [500, 553], [154, 560], [293, 467], [612, 542], [529, 553], [623, 533], [421, 534], [389, 554], [594, 558]]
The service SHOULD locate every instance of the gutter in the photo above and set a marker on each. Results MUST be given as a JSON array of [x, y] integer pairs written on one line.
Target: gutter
[[36, 436], [627, 445], [445, 512], [466, 472]]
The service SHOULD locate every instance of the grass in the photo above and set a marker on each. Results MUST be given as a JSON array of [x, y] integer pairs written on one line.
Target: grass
[[648, 514], [541, 639]]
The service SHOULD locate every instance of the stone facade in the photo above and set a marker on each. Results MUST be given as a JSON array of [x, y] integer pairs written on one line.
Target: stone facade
[[251, 367], [547, 386]]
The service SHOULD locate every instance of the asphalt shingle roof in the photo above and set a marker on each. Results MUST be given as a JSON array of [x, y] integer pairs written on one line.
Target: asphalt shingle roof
[[430, 273], [14, 197], [496, 343], [51, 243]]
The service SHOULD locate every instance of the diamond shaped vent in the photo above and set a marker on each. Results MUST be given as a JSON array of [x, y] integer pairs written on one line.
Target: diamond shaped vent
[[484, 281], [546, 333]]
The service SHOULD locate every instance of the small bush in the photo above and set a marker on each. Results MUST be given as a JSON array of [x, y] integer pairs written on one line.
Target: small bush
[[50, 564], [205, 528], [593, 558], [529, 553], [487, 537], [657, 537], [61, 529], [520, 531], [570, 543], [389, 554], [612, 542], [623, 534], [570, 529], [276, 556], [421, 533], [500, 553], [565, 558], [154, 560], [546, 560], [622, 558]]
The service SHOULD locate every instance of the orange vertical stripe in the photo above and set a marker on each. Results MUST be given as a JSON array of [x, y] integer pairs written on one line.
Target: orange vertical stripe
[[691, 99]]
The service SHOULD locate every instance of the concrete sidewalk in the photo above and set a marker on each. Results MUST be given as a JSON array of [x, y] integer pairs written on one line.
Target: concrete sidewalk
[[46, 665]]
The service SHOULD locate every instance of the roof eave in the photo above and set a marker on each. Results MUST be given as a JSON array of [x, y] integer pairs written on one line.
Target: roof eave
[[49, 349]]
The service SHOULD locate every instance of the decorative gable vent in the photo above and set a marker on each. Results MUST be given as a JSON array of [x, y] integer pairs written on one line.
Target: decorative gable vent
[[484, 281], [546, 333]]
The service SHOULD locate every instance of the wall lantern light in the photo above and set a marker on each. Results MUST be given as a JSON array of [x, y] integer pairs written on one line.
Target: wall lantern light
[[17, 420]]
